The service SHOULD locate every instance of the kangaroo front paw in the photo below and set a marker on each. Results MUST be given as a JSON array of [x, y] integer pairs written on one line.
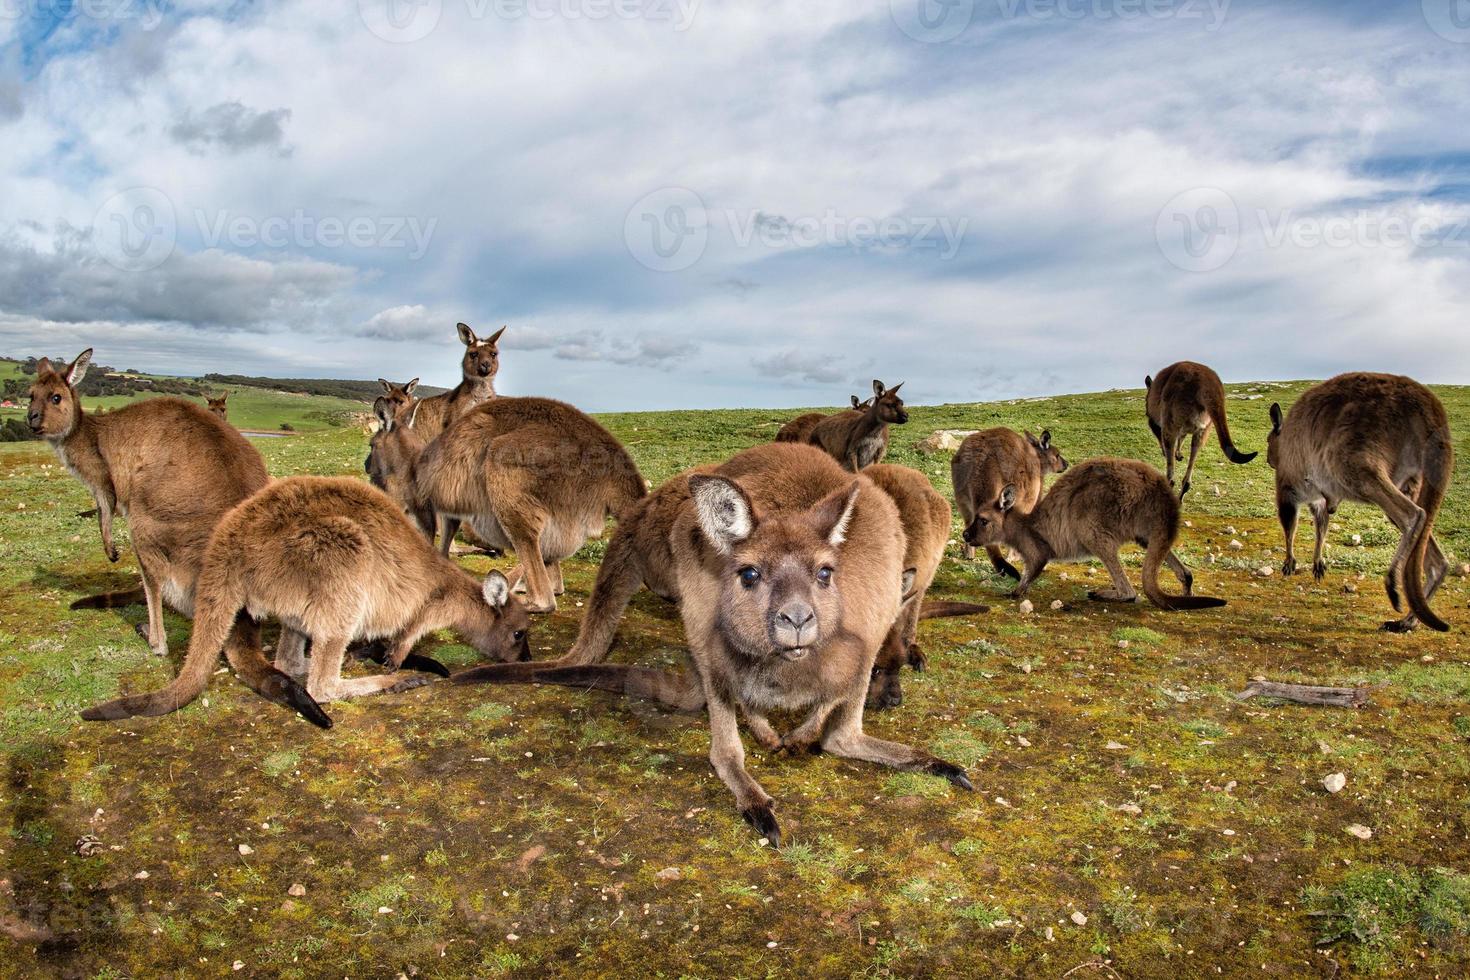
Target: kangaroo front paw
[[1405, 625], [1288, 567], [1319, 569], [950, 771], [763, 819], [917, 660]]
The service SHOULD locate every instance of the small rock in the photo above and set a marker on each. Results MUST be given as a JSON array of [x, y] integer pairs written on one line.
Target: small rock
[[88, 845], [1227, 832], [1464, 569], [1026, 607], [141, 876], [1350, 588], [1189, 523], [1357, 540], [1023, 741], [1057, 605], [1131, 808], [512, 937], [1334, 782], [246, 850], [1359, 831], [1123, 644], [1115, 747], [238, 965], [1230, 530], [1079, 918], [289, 905], [1235, 545], [529, 857], [296, 890], [669, 874], [1051, 935], [384, 910], [1215, 489], [1265, 571]]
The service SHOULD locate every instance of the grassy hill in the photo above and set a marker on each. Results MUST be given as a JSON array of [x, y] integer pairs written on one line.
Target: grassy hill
[[1132, 818]]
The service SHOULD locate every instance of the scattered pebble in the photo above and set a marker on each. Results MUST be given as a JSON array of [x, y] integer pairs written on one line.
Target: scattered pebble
[[141, 876], [1056, 605], [1350, 588], [1115, 747], [669, 874], [296, 890], [1079, 918], [1357, 540], [238, 965], [1334, 782], [1230, 530], [1131, 808], [1464, 569], [1026, 607], [1235, 545], [1265, 571], [1023, 741], [246, 850], [1123, 644], [88, 845], [384, 910], [1358, 831], [1051, 935]]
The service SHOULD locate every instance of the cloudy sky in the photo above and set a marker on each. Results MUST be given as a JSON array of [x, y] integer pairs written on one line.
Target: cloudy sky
[[719, 203]]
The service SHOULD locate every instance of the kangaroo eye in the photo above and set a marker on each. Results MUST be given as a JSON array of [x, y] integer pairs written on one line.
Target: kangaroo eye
[[56, 399], [824, 575], [749, 576], [518, 635]]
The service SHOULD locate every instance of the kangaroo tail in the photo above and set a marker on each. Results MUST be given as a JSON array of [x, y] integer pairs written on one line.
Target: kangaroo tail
[[1440, 465], [112, 600], [618, 578], [1222, 430], [213, 622], [260, 675], [944, 609], [673, 690], [1153, 558]]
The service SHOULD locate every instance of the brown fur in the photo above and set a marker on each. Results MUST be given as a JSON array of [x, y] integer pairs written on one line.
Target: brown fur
[[1187, 398], [480, 365], [217, 405], [335, 561], [1094, 509], [990, 460], [394, 451], [926, 517], [172, 468], [1373, 438], [800, 428], [531, 475], [788, 573], [860, 438]]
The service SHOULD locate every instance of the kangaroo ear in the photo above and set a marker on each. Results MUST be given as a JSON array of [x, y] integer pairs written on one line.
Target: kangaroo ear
[[910, 576], [894, 389], [725, 513], [384, 413], [387, 386], [1032, 439], [496, 590], [78, 369], [1148, 381], [855, 402], [877, 388], [1045, 438], [408, 388], [494, 337], [1008, 497], [44, 365], [466, 335], [1275, 419], [833, 512]]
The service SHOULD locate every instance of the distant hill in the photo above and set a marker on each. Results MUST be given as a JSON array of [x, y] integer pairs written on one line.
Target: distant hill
[[362, 391]]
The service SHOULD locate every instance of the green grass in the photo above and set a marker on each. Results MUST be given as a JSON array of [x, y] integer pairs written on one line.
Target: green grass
[[429, 802]]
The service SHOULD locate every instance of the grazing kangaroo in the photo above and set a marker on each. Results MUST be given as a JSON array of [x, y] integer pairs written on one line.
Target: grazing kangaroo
[[531, 475], [800, 428], [1094, 509], [1188, 398], [925, 516], [990, 460], [1376, 439], [335, 561], [168, 465], [217, 405], [481, 362], [788, 573], [858, 439]]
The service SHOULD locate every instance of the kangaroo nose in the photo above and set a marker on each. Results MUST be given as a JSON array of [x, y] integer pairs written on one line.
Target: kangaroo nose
[[797, 615]]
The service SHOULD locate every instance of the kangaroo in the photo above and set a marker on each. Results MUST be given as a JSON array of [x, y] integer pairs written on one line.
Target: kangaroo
[[859, 439], [217, 405], [172, 468], [480, 365], [394, 451], [335, 561], [1188, 398], [1377, 439], [925, 516], [396, 396], [531, 475], [990, 460], [800, 428], [788, 573], [1093, 509]]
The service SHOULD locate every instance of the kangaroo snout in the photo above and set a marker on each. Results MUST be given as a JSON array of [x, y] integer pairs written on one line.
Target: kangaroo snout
[[794, 625]]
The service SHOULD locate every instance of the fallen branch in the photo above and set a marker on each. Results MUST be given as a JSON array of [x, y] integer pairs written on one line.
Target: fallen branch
[[1332, 697]]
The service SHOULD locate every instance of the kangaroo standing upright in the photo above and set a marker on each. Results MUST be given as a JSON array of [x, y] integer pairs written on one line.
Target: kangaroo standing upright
[[480, 364], [1094, 509], [172, 468], [1187, 398], [800, 428], [1377, 439], [992, 459], [858, 439], [335, 561], [531, 475], [789, 575], [217, 406]]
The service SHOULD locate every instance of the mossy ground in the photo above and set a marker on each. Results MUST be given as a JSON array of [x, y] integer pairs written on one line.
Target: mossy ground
[[496, 831]]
